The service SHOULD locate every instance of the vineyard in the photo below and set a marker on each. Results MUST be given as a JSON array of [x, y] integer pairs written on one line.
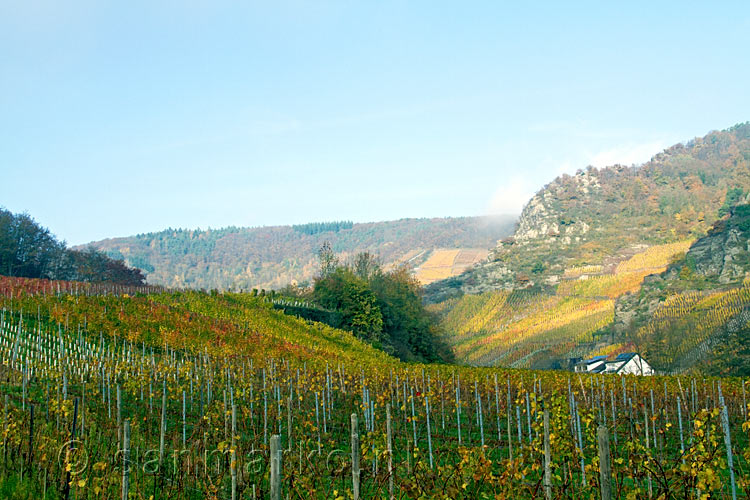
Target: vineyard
[[608, 285], [699, 313], [442, 264], [578, 271], [553, 323], [512, 328], [655, 258], [123, 393], [522, 329]]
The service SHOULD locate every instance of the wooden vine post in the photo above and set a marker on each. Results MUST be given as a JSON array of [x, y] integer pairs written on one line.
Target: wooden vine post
[[125, 459], [233, 463], [162, 425], [547, 458], [355, 457], [389, 433], [275, 467], [605, 466]]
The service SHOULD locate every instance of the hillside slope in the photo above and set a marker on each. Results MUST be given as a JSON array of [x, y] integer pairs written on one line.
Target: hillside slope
[[272, 257], [214, 382], [583, 275], [531, 328], [221, 324], [599, 217]]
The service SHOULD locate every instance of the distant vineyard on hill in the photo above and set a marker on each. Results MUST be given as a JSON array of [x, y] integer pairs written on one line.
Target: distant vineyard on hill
[[650, 256], [697, 313], [684, 327], [443, 264]]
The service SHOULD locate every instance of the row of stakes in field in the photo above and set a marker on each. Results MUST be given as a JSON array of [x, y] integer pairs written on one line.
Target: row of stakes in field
[[603, 441], [46, 354]]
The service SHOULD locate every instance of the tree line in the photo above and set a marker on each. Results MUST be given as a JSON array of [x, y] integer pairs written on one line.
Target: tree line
[[323, 227], [31, 251], [381, 307]]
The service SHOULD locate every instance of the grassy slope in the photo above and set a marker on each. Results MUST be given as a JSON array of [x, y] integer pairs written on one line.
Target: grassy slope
[[221, 324]]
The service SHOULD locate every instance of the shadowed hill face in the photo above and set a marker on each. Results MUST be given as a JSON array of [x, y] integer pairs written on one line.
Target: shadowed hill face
[[687, 316], [273, 257]]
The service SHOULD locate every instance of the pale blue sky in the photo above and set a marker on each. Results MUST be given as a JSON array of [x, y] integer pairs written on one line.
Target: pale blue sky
[[125, 117]]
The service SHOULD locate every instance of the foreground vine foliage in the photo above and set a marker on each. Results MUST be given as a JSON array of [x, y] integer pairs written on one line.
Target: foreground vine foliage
[[178, 394]]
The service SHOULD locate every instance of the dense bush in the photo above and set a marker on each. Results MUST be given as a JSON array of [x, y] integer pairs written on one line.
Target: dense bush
[[29, 250]]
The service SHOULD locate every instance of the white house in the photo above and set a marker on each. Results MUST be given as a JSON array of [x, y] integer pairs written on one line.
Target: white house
[[629, 363], [597, 364]]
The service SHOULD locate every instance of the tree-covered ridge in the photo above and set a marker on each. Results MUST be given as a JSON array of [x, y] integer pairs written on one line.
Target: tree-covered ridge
[[273, 257], [323, 227], [32, 251]]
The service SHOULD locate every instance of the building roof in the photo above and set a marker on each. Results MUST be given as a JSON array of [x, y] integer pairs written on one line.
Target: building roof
[[595, 359], [600, 368], [625, 356], [604, 365]]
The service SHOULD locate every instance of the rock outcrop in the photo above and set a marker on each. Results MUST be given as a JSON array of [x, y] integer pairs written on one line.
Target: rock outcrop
[[724, 254]]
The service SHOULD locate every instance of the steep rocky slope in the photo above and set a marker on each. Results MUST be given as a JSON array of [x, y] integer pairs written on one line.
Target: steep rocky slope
[[599, 217], [724, 253]]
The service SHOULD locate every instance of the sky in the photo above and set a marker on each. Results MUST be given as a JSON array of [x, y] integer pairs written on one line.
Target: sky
[[118, 118]]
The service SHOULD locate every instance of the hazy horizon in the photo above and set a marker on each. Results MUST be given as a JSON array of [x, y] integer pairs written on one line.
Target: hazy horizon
[[132, 118], [267, 226]]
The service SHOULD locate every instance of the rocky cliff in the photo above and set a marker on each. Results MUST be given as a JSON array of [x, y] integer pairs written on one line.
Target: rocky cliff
[[724, 254], [542, 220]]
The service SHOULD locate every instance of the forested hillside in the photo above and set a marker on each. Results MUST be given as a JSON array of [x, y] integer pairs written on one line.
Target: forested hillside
[[273, 257]]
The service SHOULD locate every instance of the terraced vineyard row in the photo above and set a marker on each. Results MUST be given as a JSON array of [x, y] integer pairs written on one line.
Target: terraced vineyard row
[[444, 263], [517, 329], [656, 257], [609, 285], [700, 315], [559, 320]]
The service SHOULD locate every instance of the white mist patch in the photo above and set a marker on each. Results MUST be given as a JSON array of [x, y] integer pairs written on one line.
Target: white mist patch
[[511, 196]]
